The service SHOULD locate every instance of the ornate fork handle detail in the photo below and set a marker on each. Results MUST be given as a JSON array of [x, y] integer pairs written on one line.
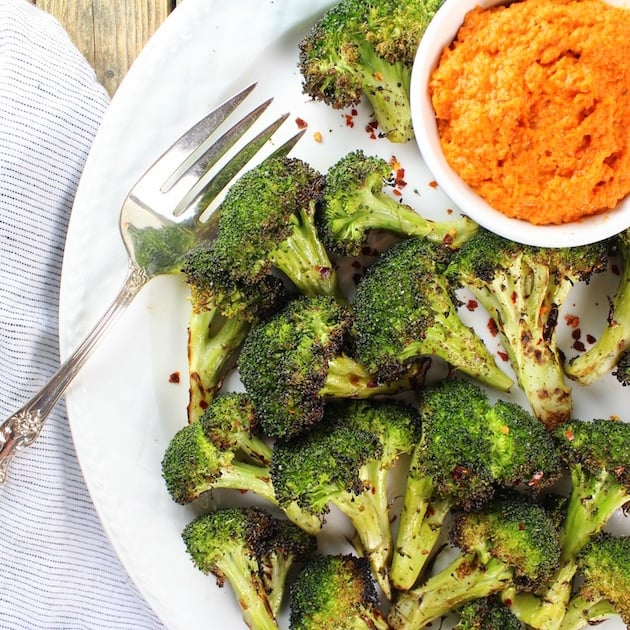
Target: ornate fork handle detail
[[24, 426]]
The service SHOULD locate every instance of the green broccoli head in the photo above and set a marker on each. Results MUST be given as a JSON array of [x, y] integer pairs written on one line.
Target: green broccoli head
[[227, 543], [612, 349], [359, 48], [267, 221], [488, 613], [355, 202], [405, 309], [523, 289], [335, 592], [604, 564]]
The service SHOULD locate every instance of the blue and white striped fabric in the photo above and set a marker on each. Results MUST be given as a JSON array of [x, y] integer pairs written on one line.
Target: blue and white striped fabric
[[57, 569]]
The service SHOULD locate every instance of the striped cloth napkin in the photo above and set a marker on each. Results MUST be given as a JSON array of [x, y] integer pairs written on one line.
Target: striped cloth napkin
[[57, 569]]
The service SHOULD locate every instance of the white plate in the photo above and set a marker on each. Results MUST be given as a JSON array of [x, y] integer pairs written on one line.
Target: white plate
[[122, 408]]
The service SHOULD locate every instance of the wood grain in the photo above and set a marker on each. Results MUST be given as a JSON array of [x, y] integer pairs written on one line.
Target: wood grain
[[110, 34]]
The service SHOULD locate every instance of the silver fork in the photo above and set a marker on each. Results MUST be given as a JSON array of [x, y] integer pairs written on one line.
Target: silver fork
[[172, 194]]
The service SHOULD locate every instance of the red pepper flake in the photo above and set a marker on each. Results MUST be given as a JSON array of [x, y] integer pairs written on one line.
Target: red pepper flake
[[591, 339], [433, 184], [579, 346], [174, 378], [472, 305], [396, 192], [324, 272], [301, 123], [349, 121], [449, 211], [576, 334], [503, 355], [569, 435], [573, 321], [492, 327], [354, 112]]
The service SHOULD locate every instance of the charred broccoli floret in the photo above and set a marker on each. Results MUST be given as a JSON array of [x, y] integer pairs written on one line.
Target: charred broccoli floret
[[404, 310], [355, 202], [335, 593], [489, 613], [510, 541], [293, 361], [523, 288], [236, 544], [361, 48], [608, 351], [604, 563], [222, 313], [597, 455], [469, 449], [346, 461], [267, 221], [202, 457]]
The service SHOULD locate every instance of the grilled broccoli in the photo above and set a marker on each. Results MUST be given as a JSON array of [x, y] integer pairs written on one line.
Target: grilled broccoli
[[488, 613], [597, 455], [404, 310], [236, 544], [607, 352], [354, 203], [523, 288], [361, 48], [510, 541], [208, 455], [335, 592], [469, 448], [622, 371], [291, 362], [604, 563], [222, 313], [267, 222], [346, 461]]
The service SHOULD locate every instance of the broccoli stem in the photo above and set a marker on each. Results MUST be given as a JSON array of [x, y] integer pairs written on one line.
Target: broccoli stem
[[212, 342], [406, 557], [347, 378], [304, 259], [249, 590], [462, 581], [386, 87], [582, 613]]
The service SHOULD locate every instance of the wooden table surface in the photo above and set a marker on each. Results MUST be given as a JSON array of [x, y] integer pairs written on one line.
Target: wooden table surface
[[109, 33]]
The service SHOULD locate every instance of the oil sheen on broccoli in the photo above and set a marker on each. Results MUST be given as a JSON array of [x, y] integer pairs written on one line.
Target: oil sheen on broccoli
[[366, 48]]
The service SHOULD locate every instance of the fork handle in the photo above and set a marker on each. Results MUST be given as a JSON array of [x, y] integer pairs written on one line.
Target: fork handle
[[23, 427]]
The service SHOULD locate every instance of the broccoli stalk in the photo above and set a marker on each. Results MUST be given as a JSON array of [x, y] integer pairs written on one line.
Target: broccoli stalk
[[233, 544], [604, 563], [511, 541], [468, 448], [346, 461], [607, 352], [267, 222], [201, 457], [293, 361], [523, 289], [361, 48], [404, 311], [597, 455], [354, 203], [335, 591]]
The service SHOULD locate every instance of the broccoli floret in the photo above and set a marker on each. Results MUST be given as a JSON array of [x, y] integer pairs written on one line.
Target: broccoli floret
[[488, 613], [523, 288], [468, 449], [622, 371], [291, 362], [597, 455], [607, 352], [404, 310], [267, 222], [360, 48], [604, 563], [200, 457], [355, 203], [510, 541], [222, 313], [345, 461], [279, 554], [231, 544], [335, 592]]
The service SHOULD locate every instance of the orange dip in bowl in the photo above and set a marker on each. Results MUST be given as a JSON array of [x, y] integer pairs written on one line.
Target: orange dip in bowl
[[532, 102]]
